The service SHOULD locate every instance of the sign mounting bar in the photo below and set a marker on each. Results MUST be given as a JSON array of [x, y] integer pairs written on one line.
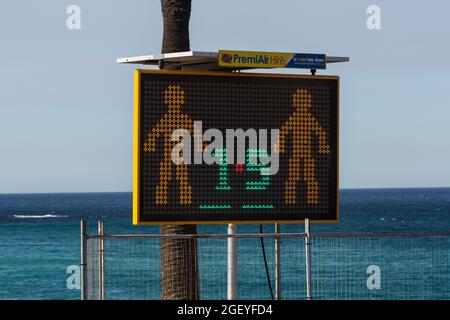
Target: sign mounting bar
[[197, 60]]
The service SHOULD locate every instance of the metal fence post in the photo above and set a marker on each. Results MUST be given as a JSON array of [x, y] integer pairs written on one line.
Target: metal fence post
[[232, 263], [277, 263], [83, 262], [308, 259], [101, 259]]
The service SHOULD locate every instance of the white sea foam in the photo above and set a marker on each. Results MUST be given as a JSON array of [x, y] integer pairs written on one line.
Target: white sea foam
[[42, 216]]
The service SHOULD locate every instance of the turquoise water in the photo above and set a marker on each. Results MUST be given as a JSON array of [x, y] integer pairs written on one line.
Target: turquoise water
[[39, 236]]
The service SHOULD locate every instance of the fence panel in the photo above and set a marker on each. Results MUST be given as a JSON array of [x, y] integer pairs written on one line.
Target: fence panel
[[343, 266], [93, 269], [388, 267]]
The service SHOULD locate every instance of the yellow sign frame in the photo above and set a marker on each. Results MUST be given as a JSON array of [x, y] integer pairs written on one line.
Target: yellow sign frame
[[136, 144]]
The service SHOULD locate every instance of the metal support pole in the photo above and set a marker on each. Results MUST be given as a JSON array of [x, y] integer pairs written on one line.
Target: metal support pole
[[277, 263], [308, 260], [232, 263], [83, 262], [101, 260]]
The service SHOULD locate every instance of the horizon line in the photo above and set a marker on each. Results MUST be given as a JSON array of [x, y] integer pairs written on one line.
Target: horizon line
[[130, 191]]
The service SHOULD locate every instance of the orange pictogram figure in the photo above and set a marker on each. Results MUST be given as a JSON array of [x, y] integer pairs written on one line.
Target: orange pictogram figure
[[302, 125], [172, 120]]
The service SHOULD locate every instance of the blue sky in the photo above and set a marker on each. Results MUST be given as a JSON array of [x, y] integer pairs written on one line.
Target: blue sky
[[66, 107]]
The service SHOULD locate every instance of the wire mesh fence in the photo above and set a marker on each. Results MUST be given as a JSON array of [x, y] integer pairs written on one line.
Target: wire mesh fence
[[389, 266], [132, 267], [343, 266]]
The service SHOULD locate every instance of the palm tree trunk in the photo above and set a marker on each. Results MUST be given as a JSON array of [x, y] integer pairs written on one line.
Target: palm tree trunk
[[178, 256]]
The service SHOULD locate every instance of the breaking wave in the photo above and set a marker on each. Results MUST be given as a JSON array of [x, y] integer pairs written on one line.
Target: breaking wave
[[42, 216]]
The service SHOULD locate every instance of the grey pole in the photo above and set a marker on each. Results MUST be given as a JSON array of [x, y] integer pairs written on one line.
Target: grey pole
[[101, 259], [277, 263], [83, 263], [308, 260], [232, 263]]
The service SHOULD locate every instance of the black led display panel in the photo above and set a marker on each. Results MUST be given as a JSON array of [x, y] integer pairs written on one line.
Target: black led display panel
[[303, 110]]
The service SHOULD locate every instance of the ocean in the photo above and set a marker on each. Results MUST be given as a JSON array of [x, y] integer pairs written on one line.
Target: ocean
[[39, 233]]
